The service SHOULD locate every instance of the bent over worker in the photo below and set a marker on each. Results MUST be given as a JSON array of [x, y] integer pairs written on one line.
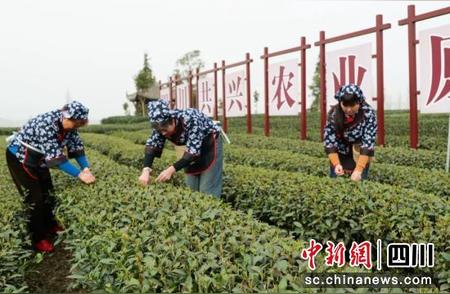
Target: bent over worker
[[38, 146], [202, 156], [350, 134]]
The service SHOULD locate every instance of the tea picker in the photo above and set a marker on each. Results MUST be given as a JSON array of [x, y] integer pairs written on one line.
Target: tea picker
[[198, 144], [38, 146], [350, 134]]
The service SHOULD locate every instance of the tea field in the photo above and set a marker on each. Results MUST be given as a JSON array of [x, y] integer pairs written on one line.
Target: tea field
[[277, 196]]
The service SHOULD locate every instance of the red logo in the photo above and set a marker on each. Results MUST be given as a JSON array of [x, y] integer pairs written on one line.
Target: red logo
[[360, 254], [335, 254], [311, 252]]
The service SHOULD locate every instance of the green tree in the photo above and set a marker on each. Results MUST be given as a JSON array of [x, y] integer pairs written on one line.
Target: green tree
[[144, 80], [189, 61], [315, 88]]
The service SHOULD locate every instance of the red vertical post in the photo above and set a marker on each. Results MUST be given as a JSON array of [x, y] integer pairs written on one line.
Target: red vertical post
[[266, 92], [196, 82], [159, 83], [216, 116], [249, 93], [190, 89], [380, 80], [170, 93], [323, 94], [413, 125], [224, 105], [303, 88]]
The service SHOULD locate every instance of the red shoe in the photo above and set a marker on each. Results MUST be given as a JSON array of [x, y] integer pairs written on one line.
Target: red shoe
[[44, 246], [55, 229]]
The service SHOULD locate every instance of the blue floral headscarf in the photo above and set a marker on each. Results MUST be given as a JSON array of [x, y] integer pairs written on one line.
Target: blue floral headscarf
[[352, 90], [158, 111], [76, 111]]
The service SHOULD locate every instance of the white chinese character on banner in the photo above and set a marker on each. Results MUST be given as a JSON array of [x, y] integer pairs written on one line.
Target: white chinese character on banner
[[284, 83], [205, 99], [283, 88], [338, 83], [438, 73], [350, 66], [234, 90], [235, 94], [435, 70], [182, 97]]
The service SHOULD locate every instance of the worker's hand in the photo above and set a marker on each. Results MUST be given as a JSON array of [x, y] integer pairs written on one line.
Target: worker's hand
[[86, 177], [144, 178], [166, 174], [88, 171], [356, 176], [339, 170]]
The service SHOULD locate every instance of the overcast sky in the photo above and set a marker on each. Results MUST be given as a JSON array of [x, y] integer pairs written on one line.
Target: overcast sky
[[91, 50]]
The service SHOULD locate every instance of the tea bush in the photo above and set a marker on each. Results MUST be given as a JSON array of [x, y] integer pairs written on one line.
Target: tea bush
[[15, 245], [323, 208], [127, 238], [392, 155], [429, 181], [127, 119]]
